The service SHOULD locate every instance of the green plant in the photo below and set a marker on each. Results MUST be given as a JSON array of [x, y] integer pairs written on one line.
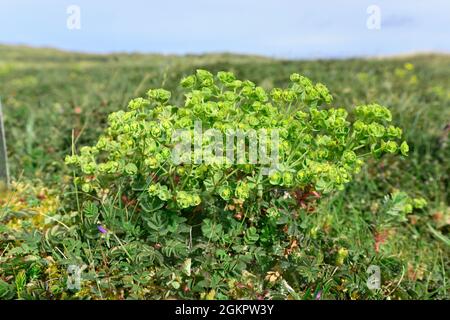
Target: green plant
[[210, 223]]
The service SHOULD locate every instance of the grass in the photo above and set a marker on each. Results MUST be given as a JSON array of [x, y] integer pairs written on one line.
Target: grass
[[51, 97]]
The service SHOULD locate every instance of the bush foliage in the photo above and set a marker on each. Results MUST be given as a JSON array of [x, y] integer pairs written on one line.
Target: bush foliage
[[219, 228]]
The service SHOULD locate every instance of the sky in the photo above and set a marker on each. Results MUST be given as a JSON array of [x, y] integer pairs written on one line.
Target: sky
[[276, 28]]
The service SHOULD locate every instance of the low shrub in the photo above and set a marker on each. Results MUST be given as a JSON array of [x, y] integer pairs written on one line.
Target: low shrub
[[198, 215]]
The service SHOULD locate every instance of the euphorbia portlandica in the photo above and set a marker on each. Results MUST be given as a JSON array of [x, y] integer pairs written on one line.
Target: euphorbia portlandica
[[241, 210]]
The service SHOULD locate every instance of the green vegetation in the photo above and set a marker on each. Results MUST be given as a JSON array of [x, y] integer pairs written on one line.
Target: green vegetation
[[143, 228]]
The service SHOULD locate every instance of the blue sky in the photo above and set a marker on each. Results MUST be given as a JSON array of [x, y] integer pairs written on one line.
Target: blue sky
[[279, 28]]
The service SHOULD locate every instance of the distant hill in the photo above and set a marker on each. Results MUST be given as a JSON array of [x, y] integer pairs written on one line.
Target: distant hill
[[25, 53]]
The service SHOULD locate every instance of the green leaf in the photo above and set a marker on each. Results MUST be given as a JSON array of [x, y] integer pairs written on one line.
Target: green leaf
[[211, 230], [251, 235], [7, 291]]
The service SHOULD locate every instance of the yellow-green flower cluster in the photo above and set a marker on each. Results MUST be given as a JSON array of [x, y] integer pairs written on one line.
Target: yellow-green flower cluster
[[319, 148]]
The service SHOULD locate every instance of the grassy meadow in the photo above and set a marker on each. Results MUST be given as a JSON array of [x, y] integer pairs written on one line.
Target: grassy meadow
[[55, 101]]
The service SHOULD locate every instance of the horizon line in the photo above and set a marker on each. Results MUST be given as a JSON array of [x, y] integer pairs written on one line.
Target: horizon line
[[235, 53]]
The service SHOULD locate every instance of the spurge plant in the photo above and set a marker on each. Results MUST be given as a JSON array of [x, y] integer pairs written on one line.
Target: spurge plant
[[216, 227]]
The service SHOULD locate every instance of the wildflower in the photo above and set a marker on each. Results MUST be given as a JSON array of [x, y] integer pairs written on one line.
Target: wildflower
[[225, 193], [275, 177], [86, 187], [188, 82], [242, 191], [318, 295], [102, 229], [288, 179], [159, 95], [404, 148], [131, 169], [164, 193], [226, 78], [390, 146], [138, 103]]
